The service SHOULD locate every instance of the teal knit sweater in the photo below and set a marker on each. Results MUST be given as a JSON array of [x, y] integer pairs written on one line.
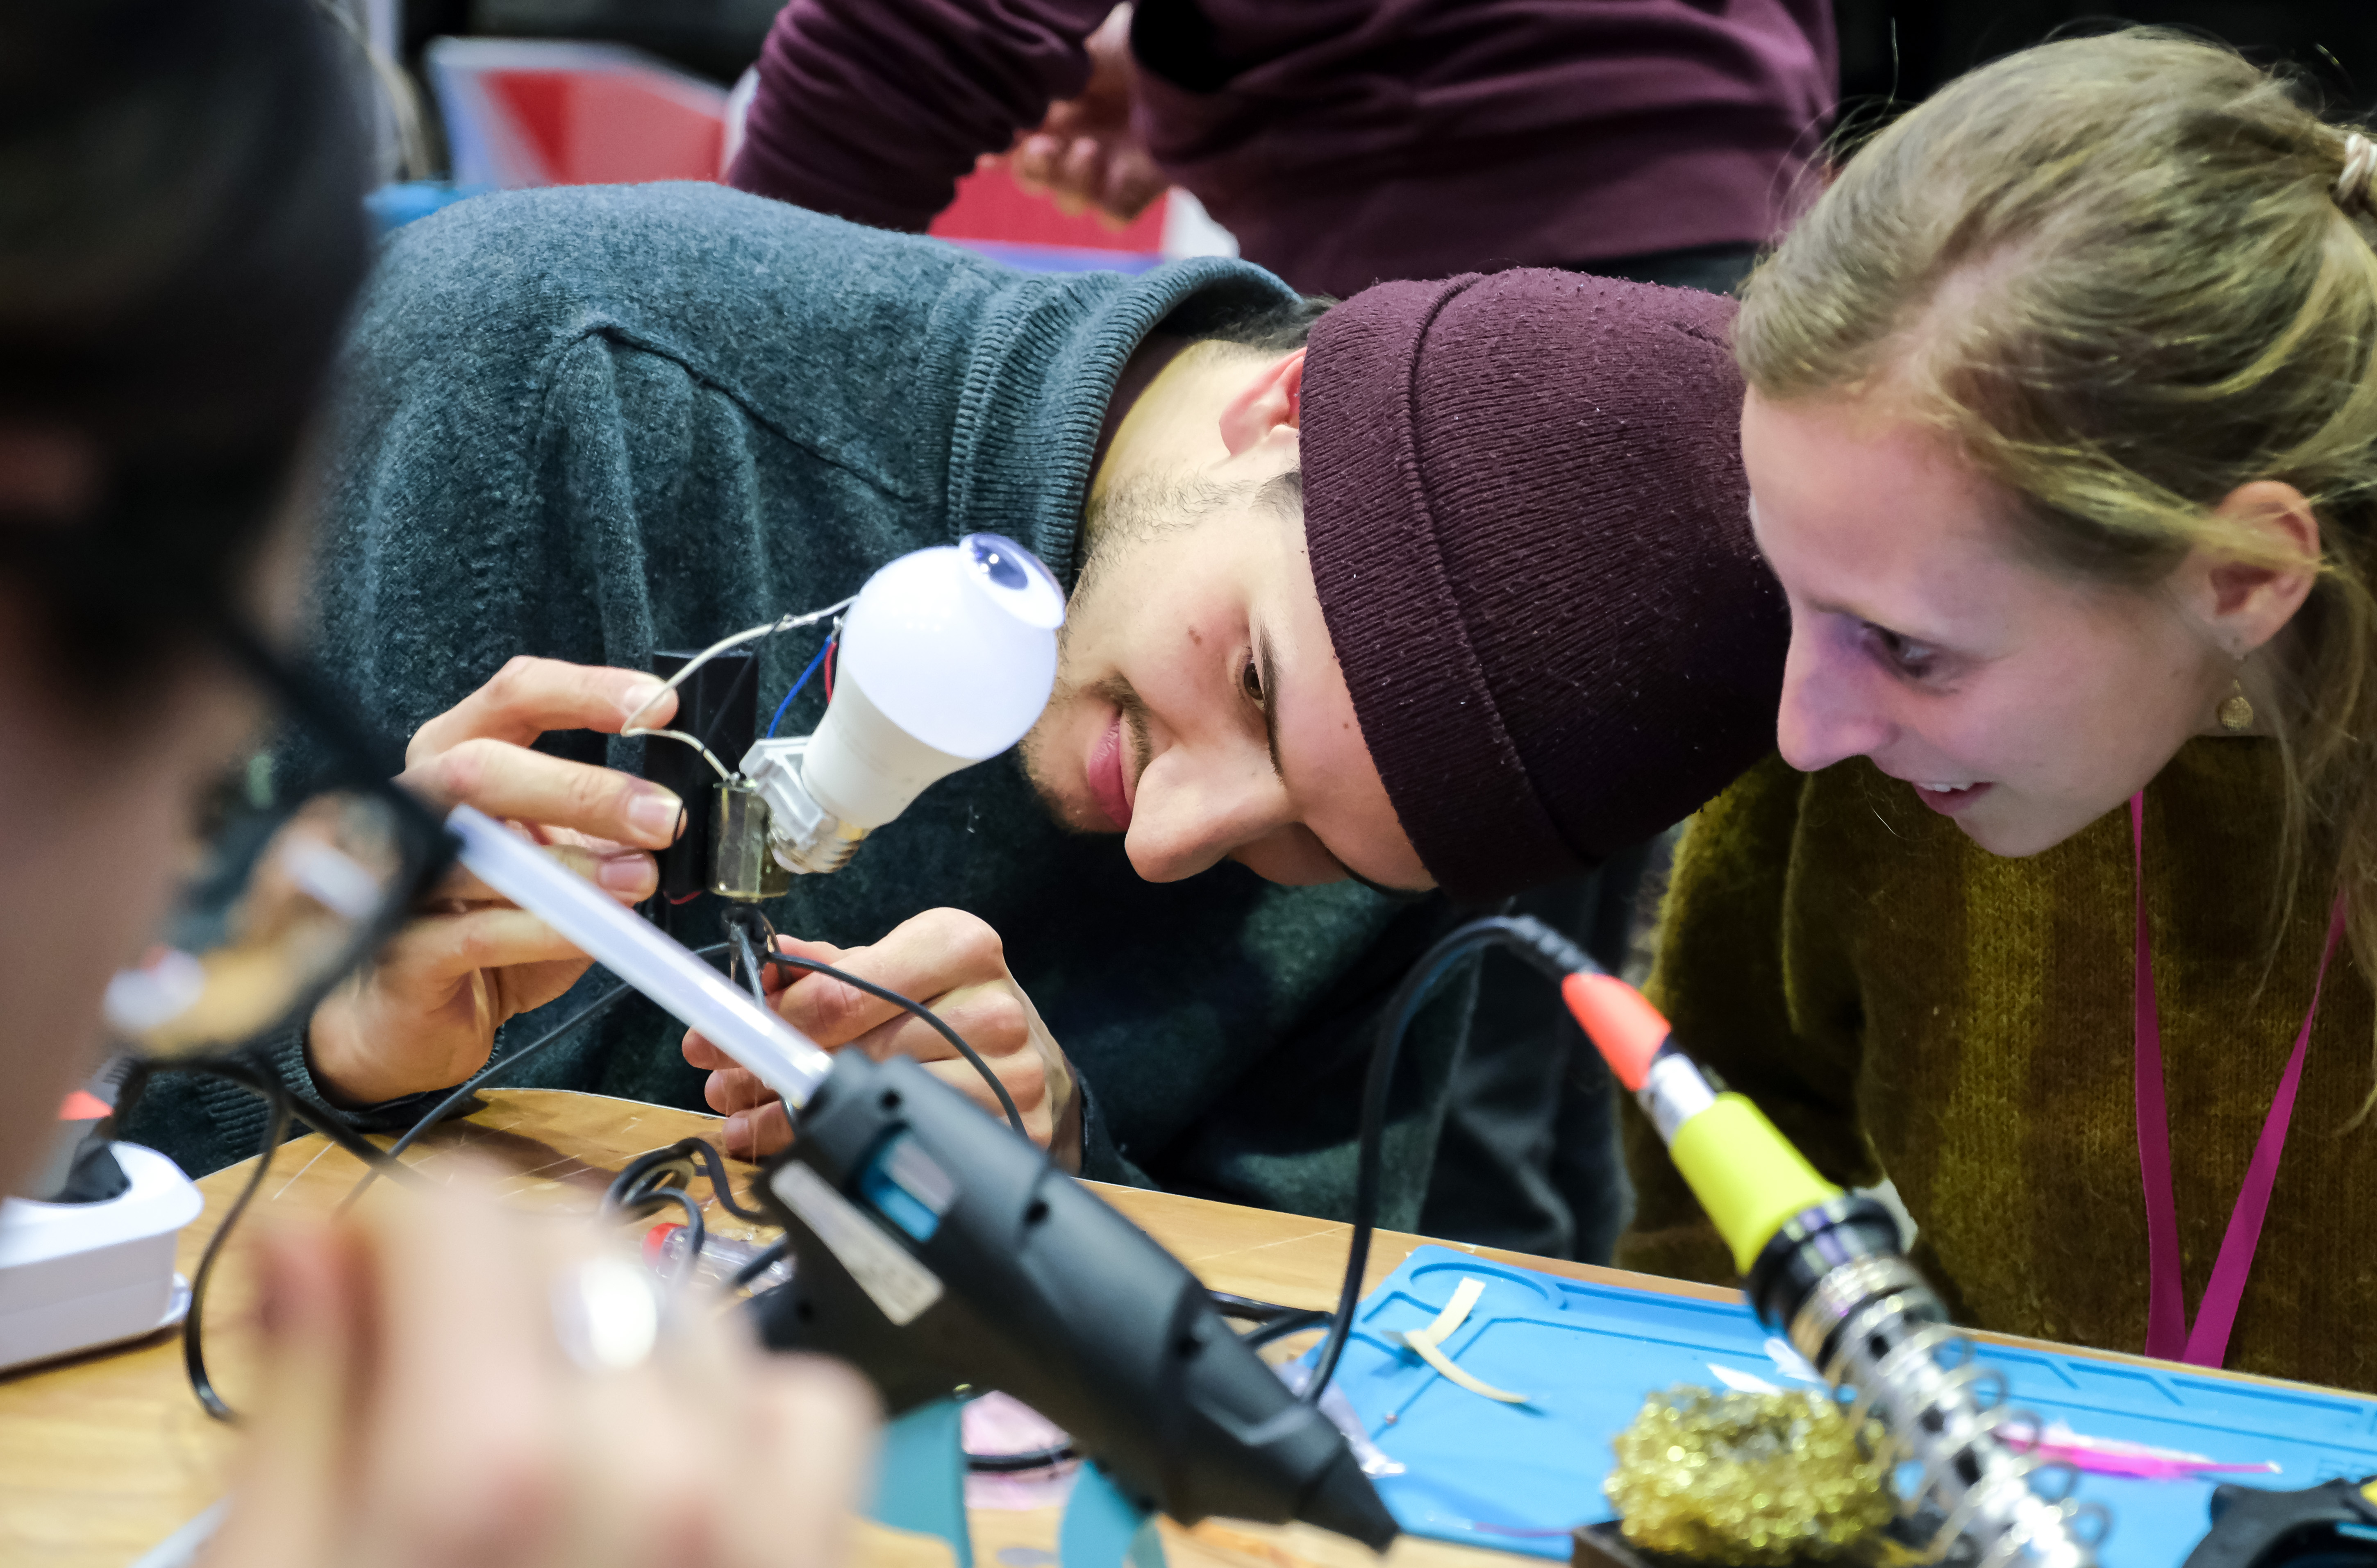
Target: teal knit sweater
[[588, 423]]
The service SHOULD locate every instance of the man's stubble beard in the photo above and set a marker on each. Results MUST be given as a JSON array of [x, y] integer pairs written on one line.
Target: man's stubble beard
[[1109, 528]]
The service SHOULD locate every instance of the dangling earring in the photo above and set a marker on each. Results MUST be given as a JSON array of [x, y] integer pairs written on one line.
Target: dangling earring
[[2236, 711]]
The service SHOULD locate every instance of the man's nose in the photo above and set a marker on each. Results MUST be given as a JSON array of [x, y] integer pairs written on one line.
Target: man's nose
[[1193, 808], [1828, 714]]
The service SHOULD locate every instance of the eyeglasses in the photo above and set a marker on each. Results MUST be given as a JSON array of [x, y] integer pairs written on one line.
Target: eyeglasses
[[303, 861]]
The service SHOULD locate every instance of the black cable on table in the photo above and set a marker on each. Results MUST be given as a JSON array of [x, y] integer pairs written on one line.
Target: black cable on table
[[641, 1175], [1544, 949]]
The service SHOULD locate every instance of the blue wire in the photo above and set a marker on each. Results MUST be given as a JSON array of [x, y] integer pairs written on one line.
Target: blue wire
[[787, 703]]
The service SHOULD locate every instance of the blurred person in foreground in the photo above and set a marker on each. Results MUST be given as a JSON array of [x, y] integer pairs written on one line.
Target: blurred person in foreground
[[180, 235]]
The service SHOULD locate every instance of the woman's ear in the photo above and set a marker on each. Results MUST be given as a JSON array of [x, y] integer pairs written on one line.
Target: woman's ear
[[1272, 400], [2248, 600]]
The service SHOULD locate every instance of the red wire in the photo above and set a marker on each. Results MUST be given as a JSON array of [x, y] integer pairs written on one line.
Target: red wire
[[829, 667]]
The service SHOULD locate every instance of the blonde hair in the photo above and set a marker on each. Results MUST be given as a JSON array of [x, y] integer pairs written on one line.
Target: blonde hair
[[2127, 275]]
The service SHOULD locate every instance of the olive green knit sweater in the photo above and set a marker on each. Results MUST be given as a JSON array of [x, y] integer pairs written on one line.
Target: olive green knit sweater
[[1902, 1002]]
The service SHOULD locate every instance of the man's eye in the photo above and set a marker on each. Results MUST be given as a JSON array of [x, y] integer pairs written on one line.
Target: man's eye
[[1250, 682]]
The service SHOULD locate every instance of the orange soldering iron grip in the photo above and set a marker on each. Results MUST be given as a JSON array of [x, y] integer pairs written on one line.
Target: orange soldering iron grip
[[1626, 1028]]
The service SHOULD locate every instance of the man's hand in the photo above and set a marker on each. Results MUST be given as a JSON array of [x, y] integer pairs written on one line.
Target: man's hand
[[1087, 153], [954, 963], [422, 1015]]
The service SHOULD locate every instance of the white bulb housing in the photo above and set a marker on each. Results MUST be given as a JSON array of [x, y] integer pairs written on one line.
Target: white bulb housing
[[946, 658]]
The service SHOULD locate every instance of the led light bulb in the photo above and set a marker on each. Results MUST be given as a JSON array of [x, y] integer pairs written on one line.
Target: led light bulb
[[946, 658]]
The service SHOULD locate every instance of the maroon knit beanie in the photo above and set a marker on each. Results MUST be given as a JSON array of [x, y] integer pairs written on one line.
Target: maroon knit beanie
[[1530, 529]]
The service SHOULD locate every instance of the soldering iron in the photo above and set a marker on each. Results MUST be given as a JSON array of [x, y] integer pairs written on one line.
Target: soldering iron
[[1822, 1267]]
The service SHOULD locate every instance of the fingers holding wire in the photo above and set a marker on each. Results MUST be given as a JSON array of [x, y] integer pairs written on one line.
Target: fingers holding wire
[[510, 782], [529, 697]]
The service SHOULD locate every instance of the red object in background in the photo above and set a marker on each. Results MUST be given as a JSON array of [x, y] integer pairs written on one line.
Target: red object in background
[[525, 112], [599, 128], [990, 206], [528, 112]]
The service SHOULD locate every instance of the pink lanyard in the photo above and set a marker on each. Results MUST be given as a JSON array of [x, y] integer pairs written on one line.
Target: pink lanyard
[[2168, 1336]]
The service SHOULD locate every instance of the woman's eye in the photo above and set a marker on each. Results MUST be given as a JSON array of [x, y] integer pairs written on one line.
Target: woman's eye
[[1903, 655]]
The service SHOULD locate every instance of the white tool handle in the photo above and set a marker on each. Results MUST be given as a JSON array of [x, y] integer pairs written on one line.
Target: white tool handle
[[780, 1056]]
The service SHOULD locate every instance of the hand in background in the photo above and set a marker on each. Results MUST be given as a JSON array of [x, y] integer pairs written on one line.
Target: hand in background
[[418, 1410], [954, 963], [1087, 153], [422, 1014]]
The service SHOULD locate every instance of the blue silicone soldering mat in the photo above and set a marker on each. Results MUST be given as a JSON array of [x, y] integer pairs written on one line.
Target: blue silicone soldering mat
[[1585, 1355]]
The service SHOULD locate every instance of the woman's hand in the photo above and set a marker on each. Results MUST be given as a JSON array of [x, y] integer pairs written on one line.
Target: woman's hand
[[954, 963], [418, 1410], [422, 1014]]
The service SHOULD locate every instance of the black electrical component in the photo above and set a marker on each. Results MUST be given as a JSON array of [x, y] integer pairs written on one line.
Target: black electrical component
[[719, 705], [937, 1247], [2330, 1525]]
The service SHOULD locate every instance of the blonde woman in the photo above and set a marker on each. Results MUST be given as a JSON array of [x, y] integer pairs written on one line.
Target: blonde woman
[[2059, 905]]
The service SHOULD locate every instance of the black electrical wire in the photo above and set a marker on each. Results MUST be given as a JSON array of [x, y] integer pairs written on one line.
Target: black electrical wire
[[750, 926], [1281, 1327], [697, 1234], [281, 1108], [1534, 942], [194, 1321], [776, 1253], [1247, 1307], [746, 957], [644, 1173], [1005, 1100], [1014, 1463]]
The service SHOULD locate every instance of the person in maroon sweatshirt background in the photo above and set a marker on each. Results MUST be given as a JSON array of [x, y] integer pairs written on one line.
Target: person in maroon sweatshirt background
[[1342, 141]]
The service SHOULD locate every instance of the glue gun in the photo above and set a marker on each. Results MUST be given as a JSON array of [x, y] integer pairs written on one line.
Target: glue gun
[[1824, 1269], [936, 1247]]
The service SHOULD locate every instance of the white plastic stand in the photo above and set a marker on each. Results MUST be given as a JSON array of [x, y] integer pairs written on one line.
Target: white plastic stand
[[73, 1276]]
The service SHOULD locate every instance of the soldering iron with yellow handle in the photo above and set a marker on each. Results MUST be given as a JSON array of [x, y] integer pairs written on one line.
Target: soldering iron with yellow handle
[[1825, 1269]]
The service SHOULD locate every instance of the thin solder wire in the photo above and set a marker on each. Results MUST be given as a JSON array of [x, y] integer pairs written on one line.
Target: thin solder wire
[[749, 634]]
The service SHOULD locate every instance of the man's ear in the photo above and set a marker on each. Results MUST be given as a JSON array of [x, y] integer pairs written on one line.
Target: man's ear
[[2248, 601], [1272, 400]]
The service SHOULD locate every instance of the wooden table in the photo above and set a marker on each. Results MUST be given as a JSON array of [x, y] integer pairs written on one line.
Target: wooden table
[[104, 1455]]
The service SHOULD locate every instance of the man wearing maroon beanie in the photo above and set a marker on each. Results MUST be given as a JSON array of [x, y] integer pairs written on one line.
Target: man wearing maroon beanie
[[1525, 531], [1453, 589]]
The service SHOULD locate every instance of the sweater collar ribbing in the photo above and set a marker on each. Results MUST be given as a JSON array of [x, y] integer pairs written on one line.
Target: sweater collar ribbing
[[1037, 381]]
